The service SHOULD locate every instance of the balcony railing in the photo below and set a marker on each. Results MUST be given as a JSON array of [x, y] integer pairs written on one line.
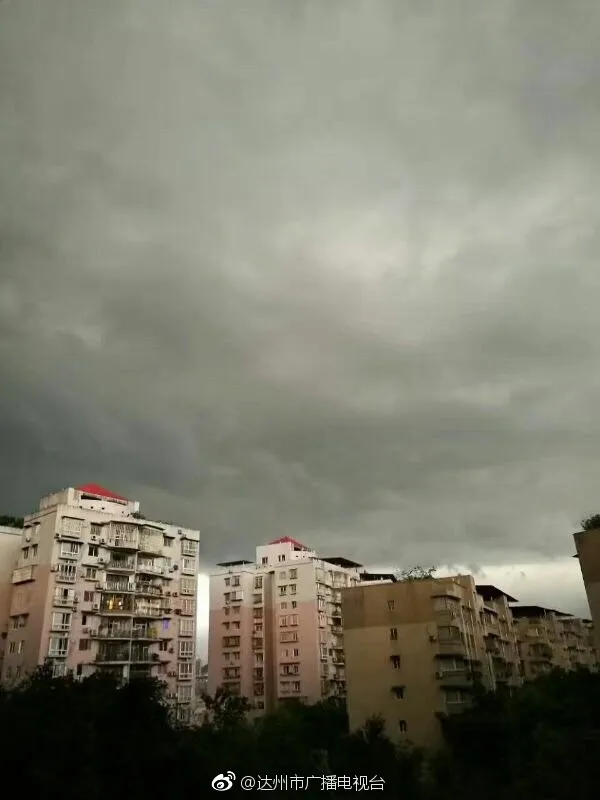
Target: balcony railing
[[153, 546], [66, 577], [126, 632], [125, 566], [60, 626], [151, 569], [114, 657], [119, 587], [163, 611], [451, 646], [148, 589], [60, 600]]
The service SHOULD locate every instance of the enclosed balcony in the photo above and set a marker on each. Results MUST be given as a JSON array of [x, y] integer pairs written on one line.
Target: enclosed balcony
[[115, 586], [150, 542], [148, 589], [113, 655], [121, 565], [23, 574], [145, 567], [155, 611], [117, 604], [458, 678]]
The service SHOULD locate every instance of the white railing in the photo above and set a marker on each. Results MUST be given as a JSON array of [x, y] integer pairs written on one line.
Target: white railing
[[61, 600], [61, 626], [154, 569], [116, 586], [66, 577], [127, 565], [58, 653]]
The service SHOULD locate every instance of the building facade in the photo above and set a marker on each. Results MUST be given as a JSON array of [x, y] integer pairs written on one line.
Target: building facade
[[98, 587], [275, 627], [416, 649], [10, 546], [587, 544], [550, 639]]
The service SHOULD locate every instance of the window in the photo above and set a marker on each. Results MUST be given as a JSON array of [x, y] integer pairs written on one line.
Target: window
[[264, 560], [294, 604], [61, 620], [186, 649], [258, 582], [88, 597], [14, 623], [184, 694], [184, 714], [284, 606], [391, 605], [455, 696], [257, 613], [288, 636], [67, 573], [167, 541], [281, 558], [188, 565], [227, 581], [282, 591], [93, 550], [228, 641], [58, 646], [186, 627], [402, 725], [398, 692], [258, 627], [185, 670], [187, 586], [294, 619], [449, 633], [12, 647], [70, 550], [25, 553], [235, 581], [95, 530], [293, 574], [71, 526], [90, 573], [34, 550], [282, 575], [188, 548], [395, 662], [85, 644], [295, 686], [292, 588], [227, 597], [393, 634], [283, 622]]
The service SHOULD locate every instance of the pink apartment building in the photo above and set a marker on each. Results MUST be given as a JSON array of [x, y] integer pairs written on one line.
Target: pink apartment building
[[97, 587], [275, 627], [10, 546]]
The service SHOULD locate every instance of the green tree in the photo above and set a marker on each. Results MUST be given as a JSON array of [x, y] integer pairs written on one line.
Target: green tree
[[11, 522]]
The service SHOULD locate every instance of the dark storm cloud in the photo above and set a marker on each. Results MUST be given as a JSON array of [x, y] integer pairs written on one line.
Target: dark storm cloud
[[320, 269]]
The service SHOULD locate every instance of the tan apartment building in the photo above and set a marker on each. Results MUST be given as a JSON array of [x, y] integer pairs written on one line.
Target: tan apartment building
[[10, 546], [98, 587], [587, 544], [550, 639], [416, 648], [275, 628]]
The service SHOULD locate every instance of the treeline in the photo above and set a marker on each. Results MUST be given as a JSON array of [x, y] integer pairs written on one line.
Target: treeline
[[95, 739]]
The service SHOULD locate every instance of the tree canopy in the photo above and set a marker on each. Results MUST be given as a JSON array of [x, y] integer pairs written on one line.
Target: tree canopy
[[94, 738], [11, 522]]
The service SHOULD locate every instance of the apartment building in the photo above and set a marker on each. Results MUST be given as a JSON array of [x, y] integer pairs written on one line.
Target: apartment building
[[10, 545], [587, 544], [98, 587], [275, 628], [416, 648], [550, 639]]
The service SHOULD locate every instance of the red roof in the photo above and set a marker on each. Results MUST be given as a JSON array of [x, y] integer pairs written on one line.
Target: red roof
[[289, 540], [100, 491]]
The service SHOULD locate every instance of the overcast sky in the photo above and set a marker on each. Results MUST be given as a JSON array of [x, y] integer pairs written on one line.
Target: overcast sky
[[326, 269]]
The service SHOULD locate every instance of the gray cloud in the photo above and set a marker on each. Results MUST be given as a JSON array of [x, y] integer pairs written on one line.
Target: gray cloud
[[319, 269]]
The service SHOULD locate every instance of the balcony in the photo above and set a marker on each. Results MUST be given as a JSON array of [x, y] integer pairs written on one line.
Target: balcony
[[65, 601], [124, 565], [120, 587], [60, 627], [148, 568], [148, 589], [457, 679], [540, 652], [450, 647], [126, 632], [121, 542], [23, 574], [120, 656], [157, 612], [66, 576], [151, 545], [337, 629]]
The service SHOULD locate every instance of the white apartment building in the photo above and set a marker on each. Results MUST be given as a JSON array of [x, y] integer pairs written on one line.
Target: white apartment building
[[275, 627], [98, 587]]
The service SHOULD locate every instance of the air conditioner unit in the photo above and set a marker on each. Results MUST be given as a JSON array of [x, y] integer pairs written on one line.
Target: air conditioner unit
[[54, 569], [175, 594], [98, 586], [175, 567], [178, 611], [101, 561], [103, 541], [432, 638], [167, 594], [27, 537], [85, 630], [171, 674], [171, 649], [96, 607], [93, 537]]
